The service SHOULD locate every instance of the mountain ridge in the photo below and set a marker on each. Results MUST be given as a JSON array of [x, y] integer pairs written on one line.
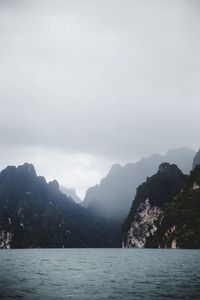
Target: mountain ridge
[[35, 214], [112, 198]]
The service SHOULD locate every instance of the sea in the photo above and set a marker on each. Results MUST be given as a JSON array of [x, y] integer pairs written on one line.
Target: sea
[[99, 274]]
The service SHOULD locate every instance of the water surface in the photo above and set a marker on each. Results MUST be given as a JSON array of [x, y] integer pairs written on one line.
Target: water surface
[[99, 274]]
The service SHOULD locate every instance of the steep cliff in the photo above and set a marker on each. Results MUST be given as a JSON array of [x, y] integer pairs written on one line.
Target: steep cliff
[[179, 225], [149, 201]]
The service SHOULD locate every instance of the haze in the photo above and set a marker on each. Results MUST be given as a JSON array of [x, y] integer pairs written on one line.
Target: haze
[[84, 84]]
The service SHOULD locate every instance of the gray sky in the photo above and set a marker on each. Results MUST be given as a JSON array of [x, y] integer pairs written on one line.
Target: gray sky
[[84, 84]]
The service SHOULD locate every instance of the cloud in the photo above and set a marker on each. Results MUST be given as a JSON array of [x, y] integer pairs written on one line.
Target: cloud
[[113, 80]]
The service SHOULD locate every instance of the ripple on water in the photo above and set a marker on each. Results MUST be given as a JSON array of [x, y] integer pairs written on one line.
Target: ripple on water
[[99, 274]]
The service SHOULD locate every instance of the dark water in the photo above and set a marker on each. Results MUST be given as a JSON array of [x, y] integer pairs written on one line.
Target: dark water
[[99, 274]]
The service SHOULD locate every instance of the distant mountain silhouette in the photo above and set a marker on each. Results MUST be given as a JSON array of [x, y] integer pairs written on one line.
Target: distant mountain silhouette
[[112, 198], [34, 213], [196, 160], [71, 193]]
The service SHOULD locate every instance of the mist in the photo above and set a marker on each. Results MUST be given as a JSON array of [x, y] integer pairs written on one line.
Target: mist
[[87, 84]]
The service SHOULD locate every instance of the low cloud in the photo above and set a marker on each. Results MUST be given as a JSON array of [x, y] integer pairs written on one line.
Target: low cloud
[[106, 80]]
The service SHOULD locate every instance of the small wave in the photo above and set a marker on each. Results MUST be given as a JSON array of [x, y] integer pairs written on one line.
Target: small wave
[[40, 273]]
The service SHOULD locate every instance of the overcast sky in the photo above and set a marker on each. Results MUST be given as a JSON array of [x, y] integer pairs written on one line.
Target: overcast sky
[[84, 84]]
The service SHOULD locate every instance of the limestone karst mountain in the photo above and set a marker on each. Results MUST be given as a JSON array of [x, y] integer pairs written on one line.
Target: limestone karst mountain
[[113, 197], [149, 202], [179, 224], [34, 213]]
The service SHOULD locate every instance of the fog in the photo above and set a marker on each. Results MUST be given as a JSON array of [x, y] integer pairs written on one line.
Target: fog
[[84, 84]]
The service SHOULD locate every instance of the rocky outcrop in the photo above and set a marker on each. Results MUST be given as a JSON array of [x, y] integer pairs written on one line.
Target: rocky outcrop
[[180, 223], [5, 239], [144, 224], [146, 211]]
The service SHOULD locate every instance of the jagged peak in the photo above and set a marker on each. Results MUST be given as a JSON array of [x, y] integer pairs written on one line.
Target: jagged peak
[[54, 185], [196, 160], [166, 167], [26, 169], [42, 179], [9, 169], [163, 167], [115, 167]]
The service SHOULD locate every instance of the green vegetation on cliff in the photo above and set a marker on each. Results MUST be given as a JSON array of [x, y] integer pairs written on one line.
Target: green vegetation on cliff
[[150, 199], [179, 224]]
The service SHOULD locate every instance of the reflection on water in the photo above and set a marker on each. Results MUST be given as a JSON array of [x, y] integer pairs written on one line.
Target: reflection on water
[[99, 274]]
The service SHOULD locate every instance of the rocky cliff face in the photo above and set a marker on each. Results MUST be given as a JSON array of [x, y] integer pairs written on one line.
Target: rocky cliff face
[[150, 199], [179, 225], [113, 197], [143, 225]]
